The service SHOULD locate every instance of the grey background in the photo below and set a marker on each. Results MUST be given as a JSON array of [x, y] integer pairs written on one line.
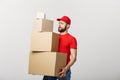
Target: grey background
[[95, 24]]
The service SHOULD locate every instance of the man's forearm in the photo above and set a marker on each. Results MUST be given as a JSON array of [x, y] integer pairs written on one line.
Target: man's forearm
[[72, 61], [73, 58]]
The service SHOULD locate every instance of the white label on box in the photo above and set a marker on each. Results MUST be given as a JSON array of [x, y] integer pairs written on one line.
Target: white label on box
[[40, 15]]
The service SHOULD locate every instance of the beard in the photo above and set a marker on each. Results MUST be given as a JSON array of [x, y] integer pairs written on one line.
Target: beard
[[62, 29]]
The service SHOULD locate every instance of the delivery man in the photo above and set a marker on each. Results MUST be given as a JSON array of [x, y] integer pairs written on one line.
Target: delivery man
[[67, 45]]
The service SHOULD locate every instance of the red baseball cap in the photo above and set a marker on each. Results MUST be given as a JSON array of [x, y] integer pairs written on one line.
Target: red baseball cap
[[65, 18]]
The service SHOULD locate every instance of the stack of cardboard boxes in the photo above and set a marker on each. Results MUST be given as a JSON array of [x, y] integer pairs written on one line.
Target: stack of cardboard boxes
[[44, 58]]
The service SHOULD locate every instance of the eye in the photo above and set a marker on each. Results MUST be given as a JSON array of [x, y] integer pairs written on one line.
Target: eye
[[60, 23]]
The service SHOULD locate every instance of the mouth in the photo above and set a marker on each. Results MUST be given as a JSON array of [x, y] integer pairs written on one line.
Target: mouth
[[59, 27]]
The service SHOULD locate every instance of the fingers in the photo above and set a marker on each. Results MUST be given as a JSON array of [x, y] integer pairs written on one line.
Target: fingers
[[62, 73]]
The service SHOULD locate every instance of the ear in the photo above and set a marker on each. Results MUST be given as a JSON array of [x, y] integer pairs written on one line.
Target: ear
[[68, 26]]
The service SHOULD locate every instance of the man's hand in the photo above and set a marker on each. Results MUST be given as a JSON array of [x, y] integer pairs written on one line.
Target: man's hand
[[62, 73]]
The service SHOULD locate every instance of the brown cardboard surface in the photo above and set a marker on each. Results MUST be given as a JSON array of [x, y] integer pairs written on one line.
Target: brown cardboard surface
[[44, 25], [44, 41], [46, 63]]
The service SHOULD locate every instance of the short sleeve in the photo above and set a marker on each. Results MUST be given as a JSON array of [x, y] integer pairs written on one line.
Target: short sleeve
[[73, 43]]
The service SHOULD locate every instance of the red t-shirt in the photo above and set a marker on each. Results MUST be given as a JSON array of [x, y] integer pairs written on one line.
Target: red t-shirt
[[66, 42]]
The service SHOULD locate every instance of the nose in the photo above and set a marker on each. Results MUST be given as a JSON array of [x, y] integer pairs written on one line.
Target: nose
[[59, 25]]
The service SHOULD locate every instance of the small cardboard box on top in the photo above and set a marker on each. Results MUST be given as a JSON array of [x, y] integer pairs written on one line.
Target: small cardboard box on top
[[43, 25], [46, 63], [44, 41], [40, 23]]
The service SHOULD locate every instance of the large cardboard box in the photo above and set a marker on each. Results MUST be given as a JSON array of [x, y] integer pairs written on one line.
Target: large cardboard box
[[44, 41], [46, 63], [45, 25]]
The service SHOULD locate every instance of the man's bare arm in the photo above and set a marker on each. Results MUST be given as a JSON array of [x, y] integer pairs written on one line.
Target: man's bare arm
[[72, 61]]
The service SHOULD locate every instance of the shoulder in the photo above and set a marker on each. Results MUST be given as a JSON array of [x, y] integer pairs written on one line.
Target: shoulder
[[73, 41], [71, 36]]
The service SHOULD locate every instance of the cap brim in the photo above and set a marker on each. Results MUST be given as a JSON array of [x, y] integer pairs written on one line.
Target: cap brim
[[58, 19]]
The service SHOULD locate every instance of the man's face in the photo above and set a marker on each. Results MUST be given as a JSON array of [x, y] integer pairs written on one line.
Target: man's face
[[62, 26]]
